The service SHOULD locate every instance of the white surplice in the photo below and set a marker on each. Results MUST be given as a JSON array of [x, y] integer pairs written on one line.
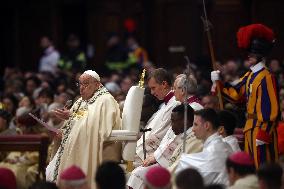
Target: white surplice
[[210, 162], [194, 102], [192, 145], [233, 142], [159, 124], [196, 106], [168, 146], [162, 155]]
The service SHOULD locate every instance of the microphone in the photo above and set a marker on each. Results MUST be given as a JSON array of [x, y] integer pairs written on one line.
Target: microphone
[[68, 104]]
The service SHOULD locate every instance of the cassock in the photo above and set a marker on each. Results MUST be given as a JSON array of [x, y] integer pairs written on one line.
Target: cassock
[[163, 156], [159, 124], [84, 134], [233, 142], [210, 162]]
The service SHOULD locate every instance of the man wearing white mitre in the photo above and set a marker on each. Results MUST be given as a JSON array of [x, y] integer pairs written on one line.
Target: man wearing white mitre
[[87, 125]]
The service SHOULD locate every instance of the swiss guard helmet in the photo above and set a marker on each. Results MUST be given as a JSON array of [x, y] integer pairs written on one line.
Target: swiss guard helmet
[[256, 39]]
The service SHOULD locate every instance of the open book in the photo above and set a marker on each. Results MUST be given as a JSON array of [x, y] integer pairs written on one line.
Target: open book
[[48, 127]]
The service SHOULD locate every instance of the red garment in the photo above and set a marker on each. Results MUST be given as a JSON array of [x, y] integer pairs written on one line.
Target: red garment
[[280, 132], [7, 179], [168, 97], [72, 173], [193, 99]]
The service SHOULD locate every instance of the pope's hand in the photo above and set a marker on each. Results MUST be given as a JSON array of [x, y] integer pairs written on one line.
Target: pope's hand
[[63, 114], [215, 76]]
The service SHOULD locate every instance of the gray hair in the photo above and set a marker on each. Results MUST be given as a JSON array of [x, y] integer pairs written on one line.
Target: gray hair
[[190, 85]]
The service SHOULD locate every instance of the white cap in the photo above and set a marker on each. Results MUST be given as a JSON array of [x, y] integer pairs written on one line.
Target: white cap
[[93, 74]]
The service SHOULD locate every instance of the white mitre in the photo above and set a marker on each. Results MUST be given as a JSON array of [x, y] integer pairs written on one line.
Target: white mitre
[[93, 74]]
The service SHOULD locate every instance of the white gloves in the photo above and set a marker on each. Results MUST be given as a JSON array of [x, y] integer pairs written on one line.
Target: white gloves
[[215, 76]]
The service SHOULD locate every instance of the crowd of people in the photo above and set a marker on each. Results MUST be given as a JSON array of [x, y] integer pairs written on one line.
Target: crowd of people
[[204, 153]]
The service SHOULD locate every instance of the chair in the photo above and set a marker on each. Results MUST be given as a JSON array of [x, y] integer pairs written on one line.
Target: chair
[[24, 143], [130, 124]]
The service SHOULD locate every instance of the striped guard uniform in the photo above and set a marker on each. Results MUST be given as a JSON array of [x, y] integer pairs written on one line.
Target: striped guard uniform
[[259, 90]]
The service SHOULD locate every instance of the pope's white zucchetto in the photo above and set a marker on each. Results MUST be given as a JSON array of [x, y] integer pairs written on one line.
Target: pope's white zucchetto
[[93, 74]]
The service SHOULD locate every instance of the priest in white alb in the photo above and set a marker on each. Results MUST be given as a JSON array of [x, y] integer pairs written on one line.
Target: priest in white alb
[[159, 82], [185, 88], [226, 129], [87, 125], [173, 139], [211, 161]]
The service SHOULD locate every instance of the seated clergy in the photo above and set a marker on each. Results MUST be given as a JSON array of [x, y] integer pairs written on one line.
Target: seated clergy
[[211, 161], [270, 176], [7, 179], [185, 89], [241, 170], [110, 171], [23, 164], [73, 178], [226, 129], [172, 140], [189, 179], [159, 82], [158, 178]]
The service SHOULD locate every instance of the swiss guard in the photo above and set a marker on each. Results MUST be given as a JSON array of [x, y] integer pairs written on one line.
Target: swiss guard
[[258, 89]]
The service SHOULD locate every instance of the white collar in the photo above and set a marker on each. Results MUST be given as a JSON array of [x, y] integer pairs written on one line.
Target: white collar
[[257, 67]]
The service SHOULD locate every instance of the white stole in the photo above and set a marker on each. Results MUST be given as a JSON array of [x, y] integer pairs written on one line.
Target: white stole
[[159, 125], [167, 147]]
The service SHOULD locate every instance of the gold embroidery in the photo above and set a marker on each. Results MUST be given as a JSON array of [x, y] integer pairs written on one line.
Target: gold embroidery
[[79, 114], [69, 124]]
